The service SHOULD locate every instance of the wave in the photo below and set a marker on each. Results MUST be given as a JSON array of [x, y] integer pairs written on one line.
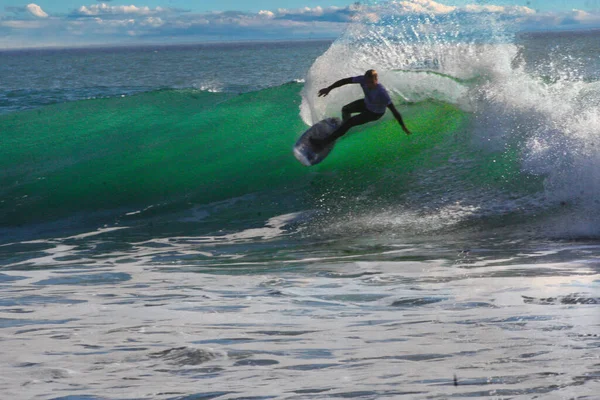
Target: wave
[[494, 140], [163, 147], [224, 162], [532, 102]]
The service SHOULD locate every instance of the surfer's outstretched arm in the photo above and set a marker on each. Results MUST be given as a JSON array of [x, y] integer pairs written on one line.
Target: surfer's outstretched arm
[[398, 117], [341, 82]]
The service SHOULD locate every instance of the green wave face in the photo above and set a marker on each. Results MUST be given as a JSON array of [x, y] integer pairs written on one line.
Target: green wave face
[[183, 148]]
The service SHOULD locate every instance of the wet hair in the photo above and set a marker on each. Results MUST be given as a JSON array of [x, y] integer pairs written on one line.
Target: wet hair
[[371, 74]]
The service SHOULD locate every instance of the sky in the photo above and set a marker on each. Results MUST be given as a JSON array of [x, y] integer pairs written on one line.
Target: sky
[[66, 23]]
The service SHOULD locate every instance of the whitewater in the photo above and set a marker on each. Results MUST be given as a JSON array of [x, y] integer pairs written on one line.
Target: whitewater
[[159, 240]]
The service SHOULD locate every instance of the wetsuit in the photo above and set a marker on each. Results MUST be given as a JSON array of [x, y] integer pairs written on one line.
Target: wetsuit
[[371, 108]]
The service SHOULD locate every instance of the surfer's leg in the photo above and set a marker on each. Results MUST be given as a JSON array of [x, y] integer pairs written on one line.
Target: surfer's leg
[[357, 106], [359, 119]]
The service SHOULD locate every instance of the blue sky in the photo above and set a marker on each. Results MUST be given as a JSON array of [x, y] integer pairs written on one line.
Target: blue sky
[[40, 23]]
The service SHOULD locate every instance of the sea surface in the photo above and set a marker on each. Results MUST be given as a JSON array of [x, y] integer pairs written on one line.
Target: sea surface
[[158, 240]]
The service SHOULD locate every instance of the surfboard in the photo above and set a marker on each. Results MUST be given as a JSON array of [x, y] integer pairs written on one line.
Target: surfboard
[[305, 152]]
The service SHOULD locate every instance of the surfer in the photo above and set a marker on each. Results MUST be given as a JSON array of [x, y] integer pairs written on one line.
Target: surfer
[[371, 108]]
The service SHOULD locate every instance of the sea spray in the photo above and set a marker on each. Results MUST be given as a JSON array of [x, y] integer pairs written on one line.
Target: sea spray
[[478, 62]]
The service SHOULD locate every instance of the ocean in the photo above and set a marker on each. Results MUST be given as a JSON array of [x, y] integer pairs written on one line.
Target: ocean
[[158, 239]]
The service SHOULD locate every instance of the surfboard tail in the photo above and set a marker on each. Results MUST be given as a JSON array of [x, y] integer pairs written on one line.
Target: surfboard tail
[[302, 157]]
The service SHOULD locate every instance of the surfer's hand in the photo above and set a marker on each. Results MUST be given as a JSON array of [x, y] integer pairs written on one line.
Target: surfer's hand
[[407, 131], [324, 92]]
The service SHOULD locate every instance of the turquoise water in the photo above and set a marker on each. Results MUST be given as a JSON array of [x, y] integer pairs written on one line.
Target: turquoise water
[[158, 151], [159, 240], [173, 147]]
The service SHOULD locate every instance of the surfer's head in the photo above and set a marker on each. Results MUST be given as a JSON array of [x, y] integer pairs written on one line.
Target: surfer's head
[[371, 78]]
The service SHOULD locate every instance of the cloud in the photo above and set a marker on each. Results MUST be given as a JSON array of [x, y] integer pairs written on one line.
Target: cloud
[[23, 24], [316, 14], [434, 8], [30, 10], [105, 22], [265, 24], [36, 10], [508, 10], [266, 13], [581, 17], [424, 7], [104, 9]]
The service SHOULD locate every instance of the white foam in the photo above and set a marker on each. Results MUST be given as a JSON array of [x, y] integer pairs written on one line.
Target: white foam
[[551, 126], [97, 232], [211, 87]]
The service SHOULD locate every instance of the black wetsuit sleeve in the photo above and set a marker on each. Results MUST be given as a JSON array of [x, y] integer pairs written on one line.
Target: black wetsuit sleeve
[[341, 82]]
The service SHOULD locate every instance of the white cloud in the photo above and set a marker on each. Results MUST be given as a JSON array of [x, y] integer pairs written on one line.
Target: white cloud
[[425, 7], [154, 22], [36, 10], [266, 13], [105, 9], [583, 16], [435, 8], [509, 10], [102, 21], [316, 11]]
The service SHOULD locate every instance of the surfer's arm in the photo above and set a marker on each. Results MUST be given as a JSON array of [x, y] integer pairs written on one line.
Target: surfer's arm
[[398, 117], [341, 82]]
